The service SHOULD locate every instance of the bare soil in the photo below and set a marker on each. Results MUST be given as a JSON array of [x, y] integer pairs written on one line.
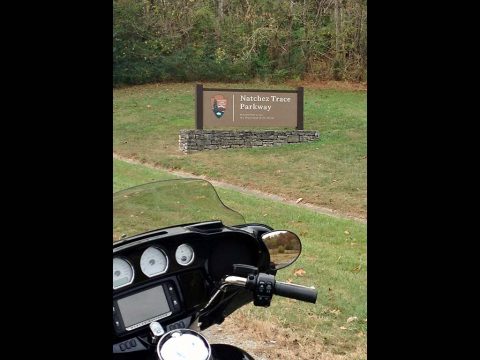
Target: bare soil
[[265, 340]]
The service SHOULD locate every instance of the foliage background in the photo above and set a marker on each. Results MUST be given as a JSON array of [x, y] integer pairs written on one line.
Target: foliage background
[[239, 40]]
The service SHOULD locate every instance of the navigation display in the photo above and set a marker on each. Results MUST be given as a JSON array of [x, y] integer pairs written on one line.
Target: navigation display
[[143, 306]]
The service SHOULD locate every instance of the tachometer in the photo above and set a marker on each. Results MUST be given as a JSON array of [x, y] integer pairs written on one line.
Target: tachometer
[[153, 262], [122, 273], [184, 255]]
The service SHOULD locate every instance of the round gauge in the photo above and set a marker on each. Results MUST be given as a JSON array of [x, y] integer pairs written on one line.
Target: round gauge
[[153, 262], [184, 255], [122, 273]]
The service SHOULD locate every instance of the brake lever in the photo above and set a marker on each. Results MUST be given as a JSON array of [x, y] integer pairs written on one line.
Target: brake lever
[[228, 281]]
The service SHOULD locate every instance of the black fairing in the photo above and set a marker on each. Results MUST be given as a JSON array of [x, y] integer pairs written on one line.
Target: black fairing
[[217, 248], [229, 352], [196, 240], [219, 352]]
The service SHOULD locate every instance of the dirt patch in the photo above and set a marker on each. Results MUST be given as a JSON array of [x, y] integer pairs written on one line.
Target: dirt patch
[[266, 340]]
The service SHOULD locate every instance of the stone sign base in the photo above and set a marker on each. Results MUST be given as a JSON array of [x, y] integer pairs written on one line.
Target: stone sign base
[[199, 140]]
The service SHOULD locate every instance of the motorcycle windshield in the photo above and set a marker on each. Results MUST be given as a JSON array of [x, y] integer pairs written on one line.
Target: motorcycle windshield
[[168, 203]]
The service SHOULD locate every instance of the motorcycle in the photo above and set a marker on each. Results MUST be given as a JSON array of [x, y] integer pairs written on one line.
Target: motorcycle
[[182, 262]]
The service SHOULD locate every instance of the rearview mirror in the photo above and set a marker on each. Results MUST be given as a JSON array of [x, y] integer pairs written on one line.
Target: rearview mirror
[[284, 248]]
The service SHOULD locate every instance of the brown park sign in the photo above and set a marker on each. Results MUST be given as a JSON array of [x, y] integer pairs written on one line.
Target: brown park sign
[[235, 108]]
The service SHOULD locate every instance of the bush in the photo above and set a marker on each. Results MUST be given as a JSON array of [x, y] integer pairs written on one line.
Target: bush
[[273, 41]]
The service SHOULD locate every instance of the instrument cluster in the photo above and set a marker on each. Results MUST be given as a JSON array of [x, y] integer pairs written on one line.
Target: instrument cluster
[[153, 262]]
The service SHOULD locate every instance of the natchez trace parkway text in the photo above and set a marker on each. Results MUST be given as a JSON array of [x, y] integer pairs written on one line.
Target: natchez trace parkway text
[[271, 98]]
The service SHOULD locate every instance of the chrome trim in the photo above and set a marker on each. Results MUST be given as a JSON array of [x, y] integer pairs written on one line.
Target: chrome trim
[[133, 271], [181, 332], [236, 280], [164, 254], [193, 257], [146, 322], [229, 281], [156, 328]]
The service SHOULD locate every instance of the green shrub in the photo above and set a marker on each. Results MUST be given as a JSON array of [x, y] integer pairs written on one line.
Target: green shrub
[[271, 40]]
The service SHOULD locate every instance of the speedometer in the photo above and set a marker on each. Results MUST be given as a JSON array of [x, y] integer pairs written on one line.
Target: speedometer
[[153, 262], [122, 273], [184, 255]]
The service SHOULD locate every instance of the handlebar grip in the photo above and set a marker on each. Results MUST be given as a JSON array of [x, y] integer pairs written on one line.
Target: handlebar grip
[[297, 292]]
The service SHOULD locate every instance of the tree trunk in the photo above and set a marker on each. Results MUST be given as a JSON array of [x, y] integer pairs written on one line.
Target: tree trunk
[[337, 30], [220, 9]]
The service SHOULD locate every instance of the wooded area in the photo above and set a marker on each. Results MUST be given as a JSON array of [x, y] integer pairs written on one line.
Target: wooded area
[[239, 40]]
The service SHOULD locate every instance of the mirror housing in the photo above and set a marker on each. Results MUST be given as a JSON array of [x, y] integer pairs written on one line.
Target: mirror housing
[[284, 247]]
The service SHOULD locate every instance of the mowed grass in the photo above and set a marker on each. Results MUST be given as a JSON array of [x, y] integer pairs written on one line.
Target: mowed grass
[[333, 258], [330, 172]]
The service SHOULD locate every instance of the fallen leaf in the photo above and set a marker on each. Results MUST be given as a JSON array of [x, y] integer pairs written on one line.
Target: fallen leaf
[[149, 106], [289, 281], [358, 268], [352, 318], [346, 232], [343, 328], [299, 272], [298, 200]]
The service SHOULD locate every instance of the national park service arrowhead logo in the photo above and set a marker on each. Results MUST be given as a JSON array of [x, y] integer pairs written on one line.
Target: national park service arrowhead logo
[[219, 105]]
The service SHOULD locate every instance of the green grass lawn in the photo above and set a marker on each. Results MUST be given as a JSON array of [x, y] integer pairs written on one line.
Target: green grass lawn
[[330, 172], [333, 257]]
